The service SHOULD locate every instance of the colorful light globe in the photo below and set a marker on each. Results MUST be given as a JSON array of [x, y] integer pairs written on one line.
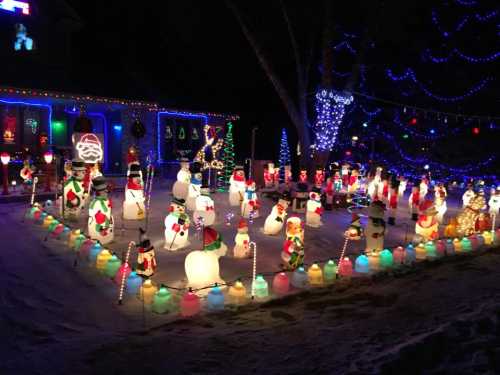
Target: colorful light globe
[[134, 282], [237, 293], [299, 278], [315, 275], [65, 233], [147, 292], [261, 288], [474, 242], [450, 247], [37, 214], [281, 284], [345, 268], [488, 238], [102, 259], [215, 299], [112, 266], [398, 255], [94, 252], [466, 245], [58, 230], [410, 254], [46, 222], [52, 226], [421, 252], [386, 259], [330, 272], [440, 248], [162, 301], [430, 250], [190, 304], [362, 264], [85, 248], [79, 242], [457, 245]]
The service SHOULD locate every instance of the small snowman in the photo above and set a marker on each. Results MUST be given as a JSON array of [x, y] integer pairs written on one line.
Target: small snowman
[[314, 210], [440, 203], [237, 186], [426, 228], [269, 173], [100, 222], [176, 226], [74, 195], [375, 229], [494, 202], [250, 204], [194, 189], [242, 241], [274, 222], [204, 207], [133, 205], [468, 195], [146, 259], [181, 186]]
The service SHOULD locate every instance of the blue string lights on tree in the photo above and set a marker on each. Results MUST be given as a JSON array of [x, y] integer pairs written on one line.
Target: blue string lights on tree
[[284, 155], [330, 110], [428, 56]]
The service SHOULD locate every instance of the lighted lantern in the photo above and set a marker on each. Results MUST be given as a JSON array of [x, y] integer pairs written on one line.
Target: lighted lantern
[[260, 287], [281, 284], [190, 304], [237, 293], [147, 292], [124, 269], [386, 259], [398, 255], [430, 250], [315, 275], [58, 230], [112, 266], [440, 248], [345, 267], [215, 299], [466, 245], [46, 222], [450, 247], [420, 251], [488, 238], [374, 261], [362, 264], [94, 252], [299, 278], [102, 259], [79, 240], [134, 282], [162, 301], [85, 248], [330, 272], [410, 254], [72, 237], [457, 245]]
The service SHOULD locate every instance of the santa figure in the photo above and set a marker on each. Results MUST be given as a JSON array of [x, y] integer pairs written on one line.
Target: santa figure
[[355, 231], [269, 175], [300, 198], [303, 175], [393, 201], [251, 203], [181, 185], [375, 230], [344, 171], [468, 195], [74, 196], [194, 189], [329, 191], [288, 174], [274, 222], [133, 205], [146, 259], [237, 186], [414, 201], [100, 222], [426, 228], [353, 182], [293, 248], [176, 226], [26, 174], [483, 222], [90, 149], [319, 177], [494, 202], [384, 190], [314, 209], [204, 207], [241, 241]]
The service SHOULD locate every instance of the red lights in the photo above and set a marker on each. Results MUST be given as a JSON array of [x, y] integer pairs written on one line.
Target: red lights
[[413, 121], [476, 130]]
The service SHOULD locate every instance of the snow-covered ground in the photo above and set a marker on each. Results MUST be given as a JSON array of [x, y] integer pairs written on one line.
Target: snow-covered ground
[[64, 319]]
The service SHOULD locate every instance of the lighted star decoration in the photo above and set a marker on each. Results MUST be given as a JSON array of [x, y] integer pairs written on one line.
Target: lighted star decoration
[[213, 146]]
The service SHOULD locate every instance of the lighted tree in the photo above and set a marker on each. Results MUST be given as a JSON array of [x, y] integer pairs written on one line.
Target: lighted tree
[[228, 158], [284, 154]]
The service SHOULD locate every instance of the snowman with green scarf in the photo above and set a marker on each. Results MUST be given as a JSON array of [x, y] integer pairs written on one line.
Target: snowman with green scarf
[[100, 222], [73, 192]]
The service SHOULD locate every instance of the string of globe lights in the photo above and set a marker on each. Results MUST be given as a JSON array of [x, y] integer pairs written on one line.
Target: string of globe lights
[[466, 3], [463, 22], [428, 56]]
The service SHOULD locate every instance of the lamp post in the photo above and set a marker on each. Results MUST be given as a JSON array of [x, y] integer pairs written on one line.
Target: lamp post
[[5, 158], [48, 157]]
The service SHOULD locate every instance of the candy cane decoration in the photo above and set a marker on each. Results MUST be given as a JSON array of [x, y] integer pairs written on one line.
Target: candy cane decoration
[[35, 180], [254, 270], [343, 251], [199, 224], [229, 216], [150, 189], [250, 216], [124, 274]]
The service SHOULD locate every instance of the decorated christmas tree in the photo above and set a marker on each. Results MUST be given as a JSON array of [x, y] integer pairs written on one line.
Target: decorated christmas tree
[[228, 159], [284, 155]]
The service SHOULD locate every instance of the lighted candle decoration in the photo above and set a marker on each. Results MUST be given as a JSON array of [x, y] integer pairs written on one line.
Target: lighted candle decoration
[[488, 240], [215, 299], [102, 260], [466, 245], [190, 304], [112, 266], [440, 248], [362, 264], [330, 271], [386, 259], [122, 273], [315, 275], [299, 278], [147, 292], [94, 252], [345, 268], [162, 301], [281, 284], [46, 222], [85, 248], [450, 247], [410, 254], [237, 293], [72, 237], [430, 250], [420, 251], [260, 287], [398, 255], [134, 282]]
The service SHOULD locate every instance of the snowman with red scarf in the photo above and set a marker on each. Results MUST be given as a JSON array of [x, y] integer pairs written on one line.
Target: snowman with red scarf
[[133, 205], [314, 210], [146, 259], [204, 207], [237, 186], [251, 203], [74, 195], [176, 226], [100, 222]]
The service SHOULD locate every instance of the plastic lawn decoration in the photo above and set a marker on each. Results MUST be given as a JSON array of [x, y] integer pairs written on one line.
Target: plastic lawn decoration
[[215, 299], [398, 255], [386, 259], [450, 248], [237, 293], [190, 304], [65, 233], [457, 244], [85, 248], [299, 278], [162, 301], [430, 250], [421, 253], [488, 240], [72, 237], [466, 245], [42, 218], [374, 261], [281, 284], [260, 287], [79, 240], [122, 274], [362, 264], [94, 252], [147, 292], [102, 259], [480, 240], [134, 282], [126, 268], [474, 242], [46, 222], [36, 215], [440, 248], [52, 226], [58, 230], [112, 266], [315, 275], [330, 271], [345, 268], [410, 254]]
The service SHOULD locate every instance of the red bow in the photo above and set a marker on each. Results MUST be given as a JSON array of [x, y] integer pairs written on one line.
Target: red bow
[[209, 208]]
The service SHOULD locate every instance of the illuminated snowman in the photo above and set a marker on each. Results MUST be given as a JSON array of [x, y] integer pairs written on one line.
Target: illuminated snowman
[[204, 207], [176, 226], [181, 185], [314, 210], [73, 192], [237, 186], [100, 222], [133, 205], [242, 241], [194, 191], [274, 222], [251, 203]]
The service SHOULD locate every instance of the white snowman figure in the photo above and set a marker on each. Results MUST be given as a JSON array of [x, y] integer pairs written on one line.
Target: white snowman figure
[[74, 195], [133, 205], [135, 168], [242, 241], [176, 226], [402, 186], [251, 203], [494, 202], [375, 230], [194, 191], [274, 222], [146, 259], [202, 267], [440, 202], [100, 222], [237, 186], [424, 188], [181, 186], [468, 195], [314, 210], [204, 207]]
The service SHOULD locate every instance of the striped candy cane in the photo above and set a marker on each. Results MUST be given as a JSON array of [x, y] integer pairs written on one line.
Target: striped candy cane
[[254, 270], [124, 275]]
